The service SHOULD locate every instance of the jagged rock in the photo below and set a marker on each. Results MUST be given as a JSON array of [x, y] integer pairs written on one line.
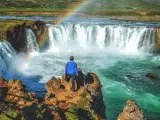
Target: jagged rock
[[63, 98], [52, 85], [157, 45], [16, 35], [95, 97], [131, 112], [60, 102], [2, 80], [56, 116], [4, 107], [152, 76], [15, 93]]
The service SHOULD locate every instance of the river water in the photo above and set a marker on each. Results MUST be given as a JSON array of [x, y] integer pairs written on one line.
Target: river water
[[120, 53]]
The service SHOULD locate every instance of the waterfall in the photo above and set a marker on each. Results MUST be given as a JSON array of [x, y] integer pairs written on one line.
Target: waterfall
[[92, 37], [31, 41], [7, 53]]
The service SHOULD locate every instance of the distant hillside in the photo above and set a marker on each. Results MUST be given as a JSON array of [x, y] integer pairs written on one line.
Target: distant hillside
[[153, 1], [38, 4], [94, 5], [144, 10], [123, 5]]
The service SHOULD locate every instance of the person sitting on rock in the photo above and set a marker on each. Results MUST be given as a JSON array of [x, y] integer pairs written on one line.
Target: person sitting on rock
[[71, 71]]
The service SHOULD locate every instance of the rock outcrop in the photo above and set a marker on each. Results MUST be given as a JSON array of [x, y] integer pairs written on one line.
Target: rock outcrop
[[13, 91], [131, 112], [60, 102], [16, 35], [87, 99], [157, 42], [151, 76]]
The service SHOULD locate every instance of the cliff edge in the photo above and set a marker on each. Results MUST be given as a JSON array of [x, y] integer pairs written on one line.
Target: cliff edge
[[60, 103]]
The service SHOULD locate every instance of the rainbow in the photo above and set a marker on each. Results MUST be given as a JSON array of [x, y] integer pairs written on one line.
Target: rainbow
[[79, 6]]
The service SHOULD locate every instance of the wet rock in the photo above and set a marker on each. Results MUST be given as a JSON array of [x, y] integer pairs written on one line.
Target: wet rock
[[157, 45], [151, 76], [131, 112], [16, 35]]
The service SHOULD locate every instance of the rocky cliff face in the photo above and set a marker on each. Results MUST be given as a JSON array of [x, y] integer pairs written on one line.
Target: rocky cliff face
[[16, 35], [131, 112], [86, 103], [60, 103], [157, 45], [13, 91]]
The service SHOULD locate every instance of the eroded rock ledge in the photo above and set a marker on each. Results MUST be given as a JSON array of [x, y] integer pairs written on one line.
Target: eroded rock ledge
[[131, 112], [60, 103], [16, 35]]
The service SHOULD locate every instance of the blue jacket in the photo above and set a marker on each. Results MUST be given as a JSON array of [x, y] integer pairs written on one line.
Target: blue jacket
[[71, 68]]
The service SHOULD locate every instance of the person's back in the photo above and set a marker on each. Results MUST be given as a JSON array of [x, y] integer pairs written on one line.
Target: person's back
[[71, 72], [71, 68]]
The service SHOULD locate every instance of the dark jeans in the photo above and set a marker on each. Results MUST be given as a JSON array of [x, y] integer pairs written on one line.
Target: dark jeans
[[73, 78]]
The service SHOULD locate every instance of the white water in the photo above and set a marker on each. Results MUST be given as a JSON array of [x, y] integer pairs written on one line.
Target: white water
[[7, 53], [107, 50], [92, 38], [31, 41]]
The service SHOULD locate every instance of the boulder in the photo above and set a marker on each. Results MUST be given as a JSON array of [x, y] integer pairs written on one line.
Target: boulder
[[131, 112], [151, 76]]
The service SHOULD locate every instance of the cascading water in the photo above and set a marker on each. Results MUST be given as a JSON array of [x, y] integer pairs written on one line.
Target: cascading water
[[7, 53], [97, 48], [31, 41], [82, 37]]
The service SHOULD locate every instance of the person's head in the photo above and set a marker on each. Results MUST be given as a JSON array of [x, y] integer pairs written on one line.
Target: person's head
[[71, 58]]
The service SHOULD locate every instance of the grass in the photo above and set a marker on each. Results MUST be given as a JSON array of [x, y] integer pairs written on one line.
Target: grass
[[142, 10], [121, 5], [37, 5], [7, 24]]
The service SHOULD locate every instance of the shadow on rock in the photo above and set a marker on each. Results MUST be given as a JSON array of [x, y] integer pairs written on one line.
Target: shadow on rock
[[84, 114]]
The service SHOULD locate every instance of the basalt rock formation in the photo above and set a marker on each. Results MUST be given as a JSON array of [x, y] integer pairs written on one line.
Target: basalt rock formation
[[18, 104], [86, 103], [131, 112], [16, 35], [13, 91], [60, 103]]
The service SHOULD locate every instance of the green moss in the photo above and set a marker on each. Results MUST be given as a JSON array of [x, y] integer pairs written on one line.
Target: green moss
[[9, 115], [83, 103], [7, 24], [71, 113], [84, 94]]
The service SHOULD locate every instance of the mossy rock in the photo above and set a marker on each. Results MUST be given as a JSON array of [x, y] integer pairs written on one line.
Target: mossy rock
[[9, 115], [8, 24]]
